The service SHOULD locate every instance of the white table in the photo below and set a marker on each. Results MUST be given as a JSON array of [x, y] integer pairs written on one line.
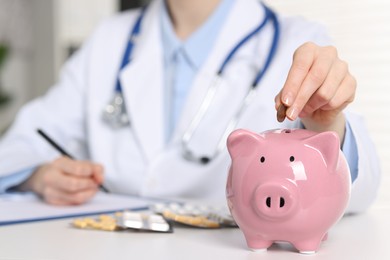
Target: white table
[[364, 236]]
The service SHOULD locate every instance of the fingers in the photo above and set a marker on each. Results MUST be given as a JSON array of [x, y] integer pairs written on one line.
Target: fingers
[[98, 171], [59, 197], [78, 175], [326, 92], [318, 81], [67, 182], [302, 62], [80, 169], [344, 95], [73, 167], [309, 71]]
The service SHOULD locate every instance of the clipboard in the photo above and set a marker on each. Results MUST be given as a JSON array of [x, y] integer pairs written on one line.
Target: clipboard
[[16, 208]]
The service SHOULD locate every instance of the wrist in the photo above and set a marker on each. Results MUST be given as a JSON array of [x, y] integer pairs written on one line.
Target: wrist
[[32, 182], [337, 125]]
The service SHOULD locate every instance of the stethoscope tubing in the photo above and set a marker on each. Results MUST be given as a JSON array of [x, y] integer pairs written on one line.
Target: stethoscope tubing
[[216, 82], [129, 48]]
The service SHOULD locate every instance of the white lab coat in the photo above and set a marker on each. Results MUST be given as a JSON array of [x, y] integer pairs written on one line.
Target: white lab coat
[[136, 159]]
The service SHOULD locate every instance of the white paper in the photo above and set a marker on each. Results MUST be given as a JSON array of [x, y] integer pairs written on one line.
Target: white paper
[[19, 208]]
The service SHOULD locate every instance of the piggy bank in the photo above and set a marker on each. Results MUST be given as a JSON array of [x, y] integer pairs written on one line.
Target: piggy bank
[[286, 185]]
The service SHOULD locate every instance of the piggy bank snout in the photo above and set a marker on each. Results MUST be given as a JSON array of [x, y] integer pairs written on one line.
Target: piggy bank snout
[[274, 201]]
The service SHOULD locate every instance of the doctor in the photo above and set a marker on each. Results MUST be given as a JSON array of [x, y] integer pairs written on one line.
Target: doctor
[[149, 99]]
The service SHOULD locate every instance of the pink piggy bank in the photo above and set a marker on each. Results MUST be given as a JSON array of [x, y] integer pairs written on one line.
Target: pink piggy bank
[[286, 185]]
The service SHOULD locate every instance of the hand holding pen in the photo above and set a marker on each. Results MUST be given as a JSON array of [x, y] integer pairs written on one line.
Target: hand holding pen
[[65, 181]]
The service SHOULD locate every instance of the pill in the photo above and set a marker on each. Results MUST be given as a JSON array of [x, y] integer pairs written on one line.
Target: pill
[[79, 223]]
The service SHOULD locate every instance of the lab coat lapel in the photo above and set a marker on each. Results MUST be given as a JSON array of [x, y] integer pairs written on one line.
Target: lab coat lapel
[[245, 17], [142, 83]]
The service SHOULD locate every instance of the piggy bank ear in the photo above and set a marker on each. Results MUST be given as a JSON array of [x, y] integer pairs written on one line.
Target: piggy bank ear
[[328, 144], [243, 142]]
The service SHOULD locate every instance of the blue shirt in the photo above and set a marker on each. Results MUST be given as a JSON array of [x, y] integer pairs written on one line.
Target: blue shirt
[[184, 58], [182, 61]]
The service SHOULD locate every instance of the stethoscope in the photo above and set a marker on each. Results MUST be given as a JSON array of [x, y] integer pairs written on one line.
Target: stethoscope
[[116, 116]]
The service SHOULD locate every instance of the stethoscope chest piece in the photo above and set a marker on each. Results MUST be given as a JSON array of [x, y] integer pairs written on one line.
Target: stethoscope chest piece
[[114, 114]]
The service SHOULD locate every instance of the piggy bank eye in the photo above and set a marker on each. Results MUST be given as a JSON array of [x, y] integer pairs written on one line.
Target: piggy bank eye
[[292, 158], [262, 159]]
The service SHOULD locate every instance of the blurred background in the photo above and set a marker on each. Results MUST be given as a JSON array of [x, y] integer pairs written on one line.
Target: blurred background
[[37, 36]]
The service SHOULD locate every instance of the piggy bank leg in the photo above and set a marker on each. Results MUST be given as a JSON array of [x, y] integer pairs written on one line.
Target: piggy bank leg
[[309, 246], [256, 244]]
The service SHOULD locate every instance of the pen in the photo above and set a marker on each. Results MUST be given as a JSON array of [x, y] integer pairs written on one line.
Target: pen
[[62, 151]]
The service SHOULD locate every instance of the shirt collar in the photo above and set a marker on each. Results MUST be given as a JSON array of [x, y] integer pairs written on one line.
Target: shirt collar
[[197, 46], [169, 40]]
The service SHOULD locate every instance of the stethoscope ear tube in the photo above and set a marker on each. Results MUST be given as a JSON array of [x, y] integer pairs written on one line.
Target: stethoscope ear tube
[[189, 155], [212, 90], [205, 159]]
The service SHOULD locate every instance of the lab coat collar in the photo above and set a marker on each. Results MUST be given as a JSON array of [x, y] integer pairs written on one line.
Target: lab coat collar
[[142, 83]]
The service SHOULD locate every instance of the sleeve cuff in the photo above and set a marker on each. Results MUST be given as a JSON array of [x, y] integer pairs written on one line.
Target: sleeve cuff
[[349, 149], [9, 182]]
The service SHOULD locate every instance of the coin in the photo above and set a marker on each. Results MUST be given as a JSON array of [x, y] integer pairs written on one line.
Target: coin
[[281, 113]]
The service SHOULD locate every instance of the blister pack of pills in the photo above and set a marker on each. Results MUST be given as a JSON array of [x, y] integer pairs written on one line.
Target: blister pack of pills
[[103, 222], [126, 220], [195, 215], [144, 222]]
